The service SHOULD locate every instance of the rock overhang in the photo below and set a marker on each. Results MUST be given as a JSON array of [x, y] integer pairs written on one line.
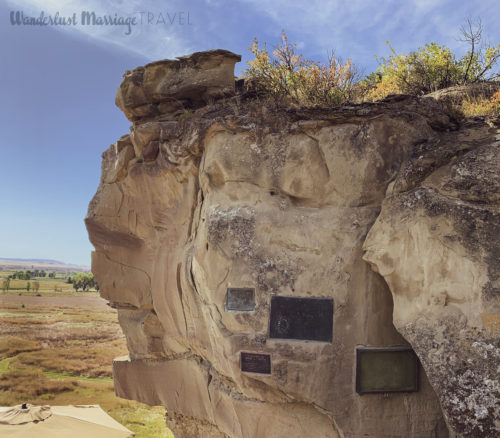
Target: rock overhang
[[171, 86]]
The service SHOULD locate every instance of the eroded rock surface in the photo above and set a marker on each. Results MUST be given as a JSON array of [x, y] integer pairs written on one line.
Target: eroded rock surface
[[170, 87], [474, 91], [242, 195], [436, 244]]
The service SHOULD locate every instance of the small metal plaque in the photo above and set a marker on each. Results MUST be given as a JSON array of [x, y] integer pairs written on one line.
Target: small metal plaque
[[242, 299], [386, 370], [256, 363], [301, 318]]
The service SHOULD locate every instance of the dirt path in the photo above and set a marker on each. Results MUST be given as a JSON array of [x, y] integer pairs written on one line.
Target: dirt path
[[78, 302]]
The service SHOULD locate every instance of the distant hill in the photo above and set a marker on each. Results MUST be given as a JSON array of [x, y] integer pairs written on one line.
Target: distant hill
[[46, 264]]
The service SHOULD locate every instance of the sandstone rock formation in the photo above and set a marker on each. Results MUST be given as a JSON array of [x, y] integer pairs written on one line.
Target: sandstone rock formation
[[171, 86], [436, 243], [222, 192], [475, 91]]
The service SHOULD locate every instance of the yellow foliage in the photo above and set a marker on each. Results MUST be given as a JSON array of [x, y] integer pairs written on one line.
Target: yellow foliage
[[482, 107], [286, 74], [434, 67], [382, 89]]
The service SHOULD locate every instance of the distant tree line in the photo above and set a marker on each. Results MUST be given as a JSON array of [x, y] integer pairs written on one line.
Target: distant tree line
[[28, 275], [80, 281]]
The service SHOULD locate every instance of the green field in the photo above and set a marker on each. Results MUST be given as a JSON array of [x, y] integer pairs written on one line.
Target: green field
[[61, 354]]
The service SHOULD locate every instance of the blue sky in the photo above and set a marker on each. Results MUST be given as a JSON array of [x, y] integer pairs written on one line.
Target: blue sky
[[58, 85]]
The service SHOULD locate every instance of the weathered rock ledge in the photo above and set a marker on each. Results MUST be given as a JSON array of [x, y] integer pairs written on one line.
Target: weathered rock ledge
[[173, 86], [388, 211]]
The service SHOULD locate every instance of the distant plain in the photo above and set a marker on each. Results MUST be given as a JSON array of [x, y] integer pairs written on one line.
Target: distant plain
[[56, 348]]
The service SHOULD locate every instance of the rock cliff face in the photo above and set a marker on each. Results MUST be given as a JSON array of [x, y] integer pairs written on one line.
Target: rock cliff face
[[233, 238], [436, 243]]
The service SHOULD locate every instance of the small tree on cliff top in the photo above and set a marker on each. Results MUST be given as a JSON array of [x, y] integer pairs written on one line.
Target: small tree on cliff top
[[286, 74], [434, 67]]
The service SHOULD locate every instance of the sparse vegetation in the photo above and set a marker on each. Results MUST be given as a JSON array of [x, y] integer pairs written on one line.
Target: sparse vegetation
[[434, 67], [287, 77], [144, 421], [186, 114], [286, 74], [482, 107]]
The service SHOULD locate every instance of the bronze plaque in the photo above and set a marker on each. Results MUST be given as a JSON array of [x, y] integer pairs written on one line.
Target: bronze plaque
[[256, 363], [309, 319], [393, 369], [242, 299]]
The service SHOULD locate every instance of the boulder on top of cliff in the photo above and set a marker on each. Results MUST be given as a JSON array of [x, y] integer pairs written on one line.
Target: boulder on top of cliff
[[170, 86], [458, 93]]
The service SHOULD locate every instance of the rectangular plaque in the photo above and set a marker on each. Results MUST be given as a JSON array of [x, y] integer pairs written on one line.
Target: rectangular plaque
[[242, 299], [393, 369], [301, 318], [256, 363]]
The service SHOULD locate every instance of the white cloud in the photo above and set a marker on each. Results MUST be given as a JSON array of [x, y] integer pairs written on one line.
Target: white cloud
[[356, 28], [155, 40]]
